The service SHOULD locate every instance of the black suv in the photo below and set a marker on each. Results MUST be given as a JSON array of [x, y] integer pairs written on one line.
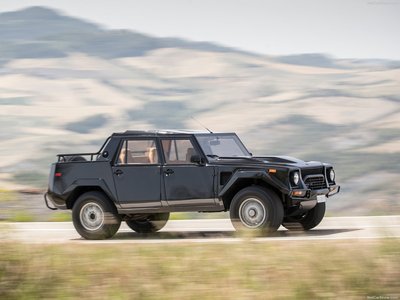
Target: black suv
[[141, 176]]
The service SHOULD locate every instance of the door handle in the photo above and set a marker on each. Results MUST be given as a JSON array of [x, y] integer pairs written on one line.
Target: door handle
[[168, 172], [118, 172]]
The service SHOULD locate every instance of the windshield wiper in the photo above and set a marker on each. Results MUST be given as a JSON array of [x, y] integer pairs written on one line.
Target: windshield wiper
[[212, 155]]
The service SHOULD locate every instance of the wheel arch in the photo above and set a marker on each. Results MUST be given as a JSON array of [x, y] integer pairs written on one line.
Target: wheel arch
[[82, 189], [241, 182]]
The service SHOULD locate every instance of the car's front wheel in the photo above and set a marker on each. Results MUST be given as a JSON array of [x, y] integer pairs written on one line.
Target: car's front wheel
[[256, 209], [306, 221], [148, 223], [95, 217]]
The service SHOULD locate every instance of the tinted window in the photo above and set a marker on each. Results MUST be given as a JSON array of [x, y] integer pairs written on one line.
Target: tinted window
[[178, 151], [138, 152]]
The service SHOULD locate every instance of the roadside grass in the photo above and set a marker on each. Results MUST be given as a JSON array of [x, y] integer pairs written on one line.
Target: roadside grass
[[7, 195], [242, 270], [22, 216], [60, 216]]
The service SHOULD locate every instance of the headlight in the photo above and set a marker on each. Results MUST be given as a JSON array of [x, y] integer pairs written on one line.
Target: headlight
[[332, 175], [296, 178]]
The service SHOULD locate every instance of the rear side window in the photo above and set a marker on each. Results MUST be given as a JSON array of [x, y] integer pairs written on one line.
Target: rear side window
[[178, 151], [138, 152]]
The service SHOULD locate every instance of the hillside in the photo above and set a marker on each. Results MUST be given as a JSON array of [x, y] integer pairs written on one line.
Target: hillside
[[66, 84], [39, 32]]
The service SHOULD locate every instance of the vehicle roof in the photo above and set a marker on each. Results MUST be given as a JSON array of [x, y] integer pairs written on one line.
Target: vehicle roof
[[165, 132]]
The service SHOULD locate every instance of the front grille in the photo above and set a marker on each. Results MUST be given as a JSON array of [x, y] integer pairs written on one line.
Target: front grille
[[312, 171], [315, 182]]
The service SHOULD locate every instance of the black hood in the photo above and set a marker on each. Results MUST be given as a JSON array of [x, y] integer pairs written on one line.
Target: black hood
[[268, 161]]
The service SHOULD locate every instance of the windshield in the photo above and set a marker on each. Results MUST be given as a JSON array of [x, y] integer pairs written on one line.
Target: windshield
[[221, 145]]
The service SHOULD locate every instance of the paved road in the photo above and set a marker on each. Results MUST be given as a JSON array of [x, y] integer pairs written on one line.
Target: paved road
[[207, 231]]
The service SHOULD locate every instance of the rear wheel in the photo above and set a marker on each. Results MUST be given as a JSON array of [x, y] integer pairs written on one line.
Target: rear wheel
[[306, 221], [256, 209], [95, 217], [148, 223]]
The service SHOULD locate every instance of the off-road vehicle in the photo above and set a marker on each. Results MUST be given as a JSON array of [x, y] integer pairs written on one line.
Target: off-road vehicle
[[140, 177]]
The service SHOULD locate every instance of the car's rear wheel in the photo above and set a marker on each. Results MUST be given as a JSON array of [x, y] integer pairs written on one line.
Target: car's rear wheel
[[148, 223], [95, 217], [306, 221], [256, 209]]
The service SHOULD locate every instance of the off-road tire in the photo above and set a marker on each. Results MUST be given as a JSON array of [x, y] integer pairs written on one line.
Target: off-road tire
[[306, 221], [256, 200], [148, 223], [95, 217]]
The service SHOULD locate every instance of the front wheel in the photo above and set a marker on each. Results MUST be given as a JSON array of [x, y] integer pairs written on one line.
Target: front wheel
[[256, 209], [306, 221], [148, 223], [94, 217]]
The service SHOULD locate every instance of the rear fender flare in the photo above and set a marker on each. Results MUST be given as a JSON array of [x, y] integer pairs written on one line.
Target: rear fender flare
[[91, 182]]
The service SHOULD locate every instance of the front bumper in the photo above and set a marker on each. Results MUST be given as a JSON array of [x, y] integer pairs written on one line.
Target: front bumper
[[307, 194], [309, 199], [333, 190]]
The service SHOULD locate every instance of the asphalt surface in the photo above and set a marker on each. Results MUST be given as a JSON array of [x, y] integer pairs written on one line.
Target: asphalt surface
[[207, 231]]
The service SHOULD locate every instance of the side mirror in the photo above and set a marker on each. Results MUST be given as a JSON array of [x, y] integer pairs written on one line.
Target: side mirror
[[196, 159]]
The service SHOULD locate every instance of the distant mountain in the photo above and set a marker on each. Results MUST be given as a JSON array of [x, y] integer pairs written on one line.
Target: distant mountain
[[66, 84], [326, 61], [309, 59], [39, 32]]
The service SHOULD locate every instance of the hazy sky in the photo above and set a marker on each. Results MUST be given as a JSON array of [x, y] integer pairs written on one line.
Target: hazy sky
[[343, 28]]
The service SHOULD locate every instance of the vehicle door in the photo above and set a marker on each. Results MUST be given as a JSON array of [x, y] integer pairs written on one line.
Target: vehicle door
[[137, 174], [186, 183]]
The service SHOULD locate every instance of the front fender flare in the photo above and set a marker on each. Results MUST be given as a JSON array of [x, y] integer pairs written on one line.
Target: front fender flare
[[253, 174]]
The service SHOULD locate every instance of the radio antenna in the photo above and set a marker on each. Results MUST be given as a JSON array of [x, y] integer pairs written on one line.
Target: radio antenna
[[201, 124]]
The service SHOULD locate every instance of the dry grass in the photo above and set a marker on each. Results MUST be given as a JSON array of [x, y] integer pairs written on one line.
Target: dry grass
[[247, 270], [7, 195]]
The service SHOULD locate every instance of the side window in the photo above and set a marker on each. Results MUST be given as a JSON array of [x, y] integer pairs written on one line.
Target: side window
[[138, 152], [178, 151]]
